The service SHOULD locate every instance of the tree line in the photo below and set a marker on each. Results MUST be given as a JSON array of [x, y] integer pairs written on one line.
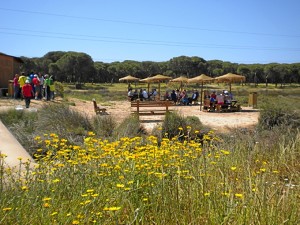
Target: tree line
[[78, 67]]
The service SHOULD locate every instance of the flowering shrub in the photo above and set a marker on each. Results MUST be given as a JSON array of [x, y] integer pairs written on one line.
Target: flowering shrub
[[143, 181]]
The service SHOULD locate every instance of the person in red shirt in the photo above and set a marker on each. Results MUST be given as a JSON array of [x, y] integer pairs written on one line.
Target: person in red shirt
[[27, 93], [16, 87], [37, 86]]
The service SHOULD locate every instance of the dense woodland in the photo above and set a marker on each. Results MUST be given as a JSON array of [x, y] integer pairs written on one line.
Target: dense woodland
[[80, 67]]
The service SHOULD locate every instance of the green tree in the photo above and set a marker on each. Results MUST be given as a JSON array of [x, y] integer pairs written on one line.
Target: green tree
[[214, 68], [76, 67], [102, 74]]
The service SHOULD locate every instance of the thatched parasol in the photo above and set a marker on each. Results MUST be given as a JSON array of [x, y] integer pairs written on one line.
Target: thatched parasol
[[156, 79], [148, 81], [201, 79], [230, 78], [181, 80], [129, 79]]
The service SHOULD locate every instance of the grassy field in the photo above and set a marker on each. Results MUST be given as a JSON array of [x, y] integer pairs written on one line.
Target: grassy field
[[245, 177]]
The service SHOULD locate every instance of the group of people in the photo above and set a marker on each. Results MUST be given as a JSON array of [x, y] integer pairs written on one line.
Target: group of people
[[33, 86], [221, 98], [182, 98], [177, 96], [142, 95]]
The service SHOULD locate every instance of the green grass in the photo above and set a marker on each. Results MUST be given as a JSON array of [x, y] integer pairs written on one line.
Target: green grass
[[141, 181], [85, 177]]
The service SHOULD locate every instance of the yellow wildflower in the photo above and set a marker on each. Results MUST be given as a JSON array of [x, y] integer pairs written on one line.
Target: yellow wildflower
[[7, 209], [114, 208], [238, 195]]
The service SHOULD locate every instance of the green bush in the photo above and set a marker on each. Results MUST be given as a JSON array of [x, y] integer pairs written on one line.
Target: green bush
[[22, 124], [59, 89], [130, 127], [103, 126], [63, 121], [274, 114], [173, 125]]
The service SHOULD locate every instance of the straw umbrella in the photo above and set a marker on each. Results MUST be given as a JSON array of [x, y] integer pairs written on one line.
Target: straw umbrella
[[201, 79], [230, 78], [181, 80], [148, 81], [156, 79], [129, 79]]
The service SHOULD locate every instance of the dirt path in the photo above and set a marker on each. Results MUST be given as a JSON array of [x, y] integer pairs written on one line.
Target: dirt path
[[119, 110]]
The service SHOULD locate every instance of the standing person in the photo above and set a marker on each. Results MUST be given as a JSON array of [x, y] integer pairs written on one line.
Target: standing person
[[37, 86], [27, 93], [21, 81], [47, 87], [16, 87], [52, 87], [42, 89]]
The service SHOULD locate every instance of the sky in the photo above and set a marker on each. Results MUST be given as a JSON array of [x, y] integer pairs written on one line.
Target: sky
[[247, 31]]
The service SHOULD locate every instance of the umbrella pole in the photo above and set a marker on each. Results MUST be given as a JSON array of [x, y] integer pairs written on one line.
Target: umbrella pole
[[159, 90], [201, 95]]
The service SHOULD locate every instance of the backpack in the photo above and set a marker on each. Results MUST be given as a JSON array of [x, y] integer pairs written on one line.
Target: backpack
[[51, 81]]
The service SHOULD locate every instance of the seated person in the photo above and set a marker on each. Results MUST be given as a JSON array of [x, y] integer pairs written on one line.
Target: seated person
[[135, 95], [141, 95], [227, 97], [154, 94], [194, 97], [145, 95], [167, 96], [213, 95], [130, 95], [174, 96], [220, 99], [213, 102], [184, 98]]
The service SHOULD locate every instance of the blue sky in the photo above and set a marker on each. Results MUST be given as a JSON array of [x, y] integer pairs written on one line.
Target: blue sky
[[249, 31]]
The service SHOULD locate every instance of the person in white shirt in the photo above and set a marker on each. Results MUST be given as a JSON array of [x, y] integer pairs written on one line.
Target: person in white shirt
[[145, 94]]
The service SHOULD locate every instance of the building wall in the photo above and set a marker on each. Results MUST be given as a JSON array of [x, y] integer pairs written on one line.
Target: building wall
[[9, 66]]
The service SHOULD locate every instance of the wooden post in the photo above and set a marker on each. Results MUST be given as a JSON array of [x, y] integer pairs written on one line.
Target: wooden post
[[138, 106], [167, 105]]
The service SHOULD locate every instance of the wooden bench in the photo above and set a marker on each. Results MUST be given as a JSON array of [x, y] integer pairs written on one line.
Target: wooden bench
[[228, 108], [151, 107], [98, 110]]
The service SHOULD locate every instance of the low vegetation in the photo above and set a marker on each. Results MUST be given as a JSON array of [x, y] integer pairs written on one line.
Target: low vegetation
[[93, 171]]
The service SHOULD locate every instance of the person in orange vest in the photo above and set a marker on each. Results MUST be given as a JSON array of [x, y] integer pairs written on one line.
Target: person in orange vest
[[27, 93]]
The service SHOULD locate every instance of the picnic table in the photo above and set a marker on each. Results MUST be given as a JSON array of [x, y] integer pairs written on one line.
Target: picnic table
[[231, 106], [151, 107]]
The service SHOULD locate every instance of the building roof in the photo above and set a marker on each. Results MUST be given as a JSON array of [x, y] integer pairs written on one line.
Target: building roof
[[16, 58]]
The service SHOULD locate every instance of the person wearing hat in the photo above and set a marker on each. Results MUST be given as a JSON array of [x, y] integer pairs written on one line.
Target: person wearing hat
[[21, 81], [36, 86], [27, 93]]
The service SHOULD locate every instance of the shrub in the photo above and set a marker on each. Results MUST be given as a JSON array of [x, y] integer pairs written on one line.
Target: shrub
[[130, 127], [276, 114], [60, 119], [103, 125], [59, 89], [173, 124], [22, 124]]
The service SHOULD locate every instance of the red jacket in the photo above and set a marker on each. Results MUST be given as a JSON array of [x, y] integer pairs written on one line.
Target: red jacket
[[27, 90], [35, 81]]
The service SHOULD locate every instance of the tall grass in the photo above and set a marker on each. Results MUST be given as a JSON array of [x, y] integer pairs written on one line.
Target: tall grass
[[102, 173], [137, 181]]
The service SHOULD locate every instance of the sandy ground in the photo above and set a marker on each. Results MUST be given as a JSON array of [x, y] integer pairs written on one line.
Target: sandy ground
[[221, 122]]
